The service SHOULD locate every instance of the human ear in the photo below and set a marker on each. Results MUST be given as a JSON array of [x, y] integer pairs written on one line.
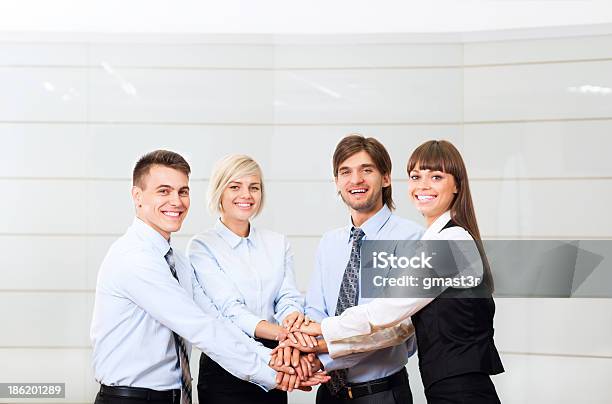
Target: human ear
[[137, 196]]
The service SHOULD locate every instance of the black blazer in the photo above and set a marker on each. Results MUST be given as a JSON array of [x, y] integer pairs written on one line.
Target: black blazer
[[455, 335]]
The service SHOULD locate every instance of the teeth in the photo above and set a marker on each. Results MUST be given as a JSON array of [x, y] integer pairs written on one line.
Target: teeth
[[173, 214], [358, 191], [425, 197], [244, 205]]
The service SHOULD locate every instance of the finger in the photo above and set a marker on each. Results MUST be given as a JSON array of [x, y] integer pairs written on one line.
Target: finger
[[295, 358], [272, 360], [274, 351], [285, 382], [306, 366], [279, 378], [299, 320], [292, 338], [306, 320], [314, 341], [300, 338], [300, 373], [279, 358], [287, 356], [312, 381], [285, 369], [311, 357], [322, 378], [294, 382], [303, 370]]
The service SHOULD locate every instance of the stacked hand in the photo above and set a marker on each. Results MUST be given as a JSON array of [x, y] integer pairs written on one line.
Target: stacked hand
[[296, 365]]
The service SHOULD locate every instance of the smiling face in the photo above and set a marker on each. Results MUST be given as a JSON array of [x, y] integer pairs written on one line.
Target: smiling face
[[241, 199], [163, 200], [432, 192], [360, 184]]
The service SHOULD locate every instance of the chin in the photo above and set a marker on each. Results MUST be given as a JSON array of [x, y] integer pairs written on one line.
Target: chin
[[173, 229]]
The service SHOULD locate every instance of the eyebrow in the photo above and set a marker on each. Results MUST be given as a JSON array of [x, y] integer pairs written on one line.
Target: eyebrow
[[240, 183], [366, 165], [171, 187]]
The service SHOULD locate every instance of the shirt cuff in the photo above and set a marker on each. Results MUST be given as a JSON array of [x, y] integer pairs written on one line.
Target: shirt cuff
[[335, 348], [335, 329], [338, 349], [248, 323], [263, 352], [265, 377], [326, 361]]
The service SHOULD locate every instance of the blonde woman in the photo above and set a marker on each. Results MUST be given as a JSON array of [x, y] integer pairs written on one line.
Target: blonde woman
[[248, 274]]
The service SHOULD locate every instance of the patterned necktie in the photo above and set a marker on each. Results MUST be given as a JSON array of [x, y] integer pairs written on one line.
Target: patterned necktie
[[181, 350], [347, 297]]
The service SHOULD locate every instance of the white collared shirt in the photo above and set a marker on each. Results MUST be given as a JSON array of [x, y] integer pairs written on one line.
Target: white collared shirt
[[249, 279], [382, 322], [138, 305]]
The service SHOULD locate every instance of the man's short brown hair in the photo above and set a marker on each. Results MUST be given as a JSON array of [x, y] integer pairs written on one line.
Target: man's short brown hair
[[158, 157], [353, 144]]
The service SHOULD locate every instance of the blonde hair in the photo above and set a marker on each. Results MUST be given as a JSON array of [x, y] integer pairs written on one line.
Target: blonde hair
[[226, 170]]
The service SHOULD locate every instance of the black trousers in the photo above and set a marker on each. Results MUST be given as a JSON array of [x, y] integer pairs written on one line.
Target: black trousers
[[472, 388], [217, 386], [397, 395]]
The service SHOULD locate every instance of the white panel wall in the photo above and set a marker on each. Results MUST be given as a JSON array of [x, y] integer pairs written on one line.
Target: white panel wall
[[75, 117]]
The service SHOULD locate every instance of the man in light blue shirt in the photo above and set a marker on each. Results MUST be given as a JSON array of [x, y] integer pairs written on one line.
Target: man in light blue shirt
[[149, 309], [362, 170]]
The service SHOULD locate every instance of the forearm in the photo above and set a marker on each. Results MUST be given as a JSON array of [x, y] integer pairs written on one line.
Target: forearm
[[369, 318], [380, 339], [266, 330]]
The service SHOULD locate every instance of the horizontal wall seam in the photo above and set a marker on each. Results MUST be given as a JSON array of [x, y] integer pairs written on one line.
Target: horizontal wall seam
[[514, 353], [484, 236], [233, 68], [306, 181], [304, 124], [317, 68]]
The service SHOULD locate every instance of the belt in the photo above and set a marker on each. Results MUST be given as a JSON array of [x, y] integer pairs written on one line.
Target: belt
[[356, 390], [140, 393]]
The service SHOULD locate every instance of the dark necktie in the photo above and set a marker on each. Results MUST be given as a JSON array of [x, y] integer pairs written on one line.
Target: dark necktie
[[347, 297], [181, 350]]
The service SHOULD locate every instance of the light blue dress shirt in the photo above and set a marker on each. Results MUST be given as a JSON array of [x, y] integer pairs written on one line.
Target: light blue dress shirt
[[138, 305], [249, 279], [331, 259]]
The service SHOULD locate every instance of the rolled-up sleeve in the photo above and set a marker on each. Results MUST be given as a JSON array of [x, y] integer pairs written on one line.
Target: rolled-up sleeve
[[384, 338]]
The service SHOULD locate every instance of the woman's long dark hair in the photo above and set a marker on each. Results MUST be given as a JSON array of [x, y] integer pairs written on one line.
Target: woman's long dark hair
[[441, 155]]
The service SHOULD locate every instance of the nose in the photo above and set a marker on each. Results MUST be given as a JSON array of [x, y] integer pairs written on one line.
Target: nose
[[356, 177], [175, 199], [423, 183], [245, 192]]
